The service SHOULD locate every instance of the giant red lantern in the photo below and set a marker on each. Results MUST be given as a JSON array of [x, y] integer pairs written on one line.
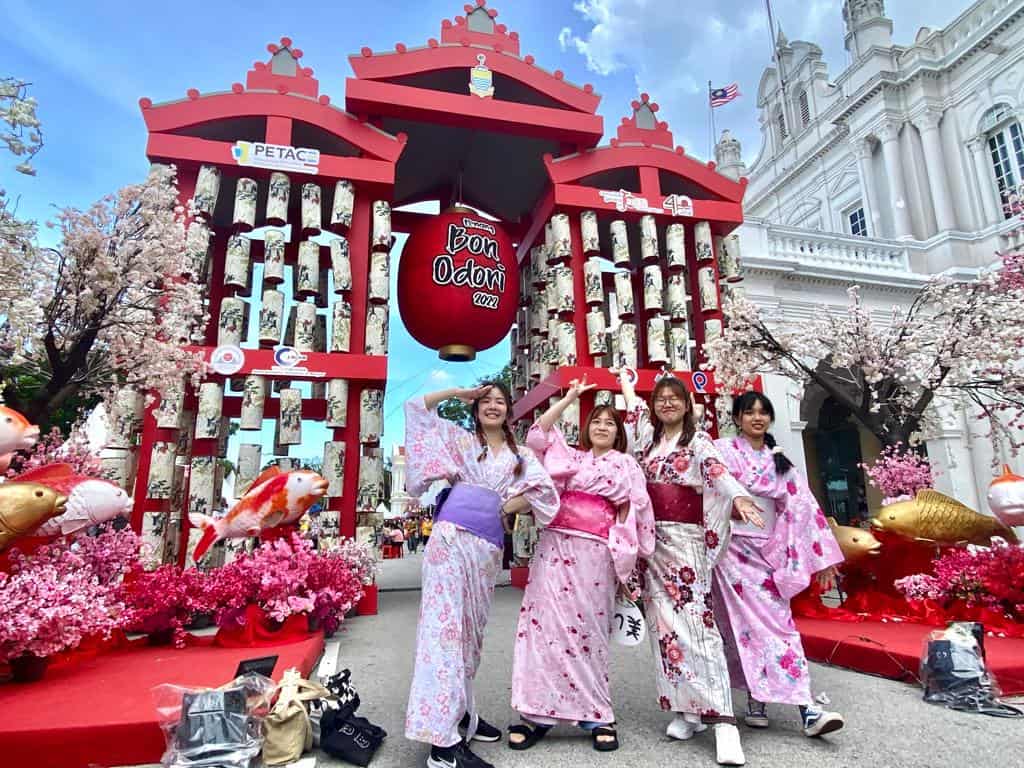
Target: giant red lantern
[[458, 284]]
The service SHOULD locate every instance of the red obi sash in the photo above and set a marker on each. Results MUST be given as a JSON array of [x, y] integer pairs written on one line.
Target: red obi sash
[[584, 512], [676, 503]]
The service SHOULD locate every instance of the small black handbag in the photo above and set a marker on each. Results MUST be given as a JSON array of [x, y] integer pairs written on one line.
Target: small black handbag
[[342, 734], [212, 723]]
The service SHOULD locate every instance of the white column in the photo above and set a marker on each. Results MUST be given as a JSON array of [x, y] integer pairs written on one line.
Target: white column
[[864, 150], [890, 135], [986, 181], [928, 125]]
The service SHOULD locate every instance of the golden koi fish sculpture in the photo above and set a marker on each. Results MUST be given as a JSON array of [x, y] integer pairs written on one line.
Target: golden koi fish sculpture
[[936, 518], [855, 543], [24, 507]]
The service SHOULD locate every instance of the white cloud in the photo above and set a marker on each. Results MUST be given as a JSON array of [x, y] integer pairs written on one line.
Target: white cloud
[[440, 375]]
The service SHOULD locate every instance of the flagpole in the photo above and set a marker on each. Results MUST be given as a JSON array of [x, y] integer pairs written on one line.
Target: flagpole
[[711, 147]]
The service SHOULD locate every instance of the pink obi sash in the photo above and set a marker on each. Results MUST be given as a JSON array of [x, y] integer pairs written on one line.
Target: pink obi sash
[[584, 512], [676, 503]]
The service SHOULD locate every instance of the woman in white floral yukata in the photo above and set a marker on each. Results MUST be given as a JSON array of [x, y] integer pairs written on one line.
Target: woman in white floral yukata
[[492, 479], [764, 568], [560, 665], [693, 496]]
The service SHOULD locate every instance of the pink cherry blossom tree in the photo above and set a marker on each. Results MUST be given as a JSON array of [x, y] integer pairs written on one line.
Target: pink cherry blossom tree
[[956, 342], [110, 305], [20, 129]]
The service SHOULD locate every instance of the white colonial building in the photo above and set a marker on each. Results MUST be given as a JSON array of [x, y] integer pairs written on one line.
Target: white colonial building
[[895, 169]]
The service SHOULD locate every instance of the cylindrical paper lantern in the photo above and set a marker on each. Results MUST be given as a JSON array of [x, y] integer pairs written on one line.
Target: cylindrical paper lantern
[[561, 239], [341, 329], [337, 403], [246, 193], [380, 280], [197, 249], [679, 346], [563, 288], [729, 258], [551, 296], [231, 323], [125, 418], [371, 480], [312, 216], [271, 318], [277, 199], [161, 470], [254, 394], [627, 345], [168, 412], [620, 244], [589, 233], [708, 289], [341, 265], [382, 226], [209, 410], [538, 266], [344, 204], [204, 202], [290, 419], [648, 238], [273, 256], [654, 289], [305, 327], [676, 304], [712, 329], [307, 276], [702, 240], [675, 246], [596, 341], [604, 397], [624, 294], [569, 423], [201, 485], [592, 281], [250, 464], [657, 349], [236, 263], [334, 468], [566, 343], [377, 329], [371, 415]]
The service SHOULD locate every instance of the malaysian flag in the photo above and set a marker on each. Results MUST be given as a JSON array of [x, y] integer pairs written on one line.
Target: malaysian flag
[[721, 96]]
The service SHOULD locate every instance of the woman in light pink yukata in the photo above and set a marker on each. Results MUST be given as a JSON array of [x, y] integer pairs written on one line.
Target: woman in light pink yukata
[[492, 478], [764, 568], [560, 666]]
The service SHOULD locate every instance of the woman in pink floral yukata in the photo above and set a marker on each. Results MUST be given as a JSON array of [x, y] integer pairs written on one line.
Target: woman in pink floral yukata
[[764, 568], [560, 667], [693, 496], [492, 478]]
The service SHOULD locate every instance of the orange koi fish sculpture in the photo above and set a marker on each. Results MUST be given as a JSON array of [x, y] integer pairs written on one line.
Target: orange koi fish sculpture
[[24, 506], [275, 498], [1006, 498], [855, 543], [90, 501], [16, 434]]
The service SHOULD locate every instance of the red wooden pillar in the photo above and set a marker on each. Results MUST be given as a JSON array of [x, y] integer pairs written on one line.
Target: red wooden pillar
[[576, 260]]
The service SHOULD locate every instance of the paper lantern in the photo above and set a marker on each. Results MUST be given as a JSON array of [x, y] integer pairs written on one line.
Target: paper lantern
[[254, 394], [566, 344], [654, 290], [371, 480], [569, 423], [604, 397], [712, 330], [377, 330], [209, 410], [552, 354], [305, 327], [563, 289], [381, 240], [311, 210], [596, 342], [161, 470], [168, 412], [379, 277], [538, 266], [627, 345], [231, 323], [620, 244], [271, 318], [589, 233], [592, 284], [702, 241], [341, 265], [204, 201], [344, 204], [551, 297], [675, 246], [729, 258], [197, 249], [458, 284], [289, 419], [337, 403], [334, 467], [706, 284], [648, 238], [624, 294], [307, 272], [676, 300], [657, 349], [246, 193], [371, 415], [273, 256], [277, 199], [125, 418], [561, 238], [236, 263], [341, 331], [679, 348]]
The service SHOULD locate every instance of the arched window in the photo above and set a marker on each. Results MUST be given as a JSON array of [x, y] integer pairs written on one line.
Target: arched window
[[805, 109], [1005, 140]]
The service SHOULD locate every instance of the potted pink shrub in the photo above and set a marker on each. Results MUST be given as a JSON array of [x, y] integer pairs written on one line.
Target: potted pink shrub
[[162, 602]]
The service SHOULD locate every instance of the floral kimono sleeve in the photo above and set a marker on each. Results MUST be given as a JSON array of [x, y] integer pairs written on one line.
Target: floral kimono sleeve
[[536, 486], [801, 544], [560, 460], [434, 447], [720, 489], [639, 429], [634, 536]]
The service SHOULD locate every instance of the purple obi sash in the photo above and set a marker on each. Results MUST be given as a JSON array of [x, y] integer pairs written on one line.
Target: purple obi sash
[[584, 512], [475, 509]]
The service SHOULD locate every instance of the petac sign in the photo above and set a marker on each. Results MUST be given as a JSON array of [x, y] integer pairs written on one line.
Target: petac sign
[[458, 284], [278, 157]]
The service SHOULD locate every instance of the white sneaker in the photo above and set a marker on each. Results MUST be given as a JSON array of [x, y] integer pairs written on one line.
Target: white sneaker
[[682, 729], [728, 750]]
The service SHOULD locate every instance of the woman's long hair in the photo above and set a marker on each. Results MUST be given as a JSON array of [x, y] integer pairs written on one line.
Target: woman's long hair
[[689, 423], [746, 402], [620, 428], [510, 439]]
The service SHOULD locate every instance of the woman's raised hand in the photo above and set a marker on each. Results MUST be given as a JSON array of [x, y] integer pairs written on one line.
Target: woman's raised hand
[[748, 511], [470, 394], [578, 387]]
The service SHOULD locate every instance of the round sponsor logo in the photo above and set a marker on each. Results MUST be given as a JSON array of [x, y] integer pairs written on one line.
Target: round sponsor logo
[[631, 375], [287, 357], [227, 359], [700, 381]]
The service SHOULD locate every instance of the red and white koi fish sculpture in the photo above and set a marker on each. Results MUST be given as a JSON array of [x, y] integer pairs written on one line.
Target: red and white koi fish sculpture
[[16, 434], [90, 501], [1006, 498], [275, 498]]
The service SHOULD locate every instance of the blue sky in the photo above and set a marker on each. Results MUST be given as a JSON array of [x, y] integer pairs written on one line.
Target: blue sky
[[90, 62]]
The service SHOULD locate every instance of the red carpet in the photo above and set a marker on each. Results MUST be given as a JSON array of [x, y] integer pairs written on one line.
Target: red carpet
[[893, 649], [99, 711]]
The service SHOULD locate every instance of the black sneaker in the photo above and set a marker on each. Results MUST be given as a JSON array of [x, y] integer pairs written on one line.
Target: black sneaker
[[458, 756], [484, 730]]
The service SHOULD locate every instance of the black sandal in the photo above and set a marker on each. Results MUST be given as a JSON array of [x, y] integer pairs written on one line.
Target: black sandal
[[610, 744], [531, 733]]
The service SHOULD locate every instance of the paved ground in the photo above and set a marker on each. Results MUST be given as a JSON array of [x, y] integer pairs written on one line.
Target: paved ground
[[404, 573], [888, 723]]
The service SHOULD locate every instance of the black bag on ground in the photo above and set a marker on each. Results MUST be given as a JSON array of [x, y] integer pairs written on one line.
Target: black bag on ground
[[212, 723], [343, 735]]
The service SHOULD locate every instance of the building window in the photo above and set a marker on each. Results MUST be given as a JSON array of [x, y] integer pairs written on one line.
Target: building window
[[780, 120], [805, 109], [1006, 148], [858, 225]]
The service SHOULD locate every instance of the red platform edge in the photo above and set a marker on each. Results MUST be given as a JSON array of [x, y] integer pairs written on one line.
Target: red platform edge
[[520, 576]]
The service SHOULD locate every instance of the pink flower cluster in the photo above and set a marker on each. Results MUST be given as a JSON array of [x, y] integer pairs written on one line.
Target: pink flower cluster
[[63, 593], [361, 559], [900, 473], [285, 577], [984, 577], [53, 448], [166, 599]]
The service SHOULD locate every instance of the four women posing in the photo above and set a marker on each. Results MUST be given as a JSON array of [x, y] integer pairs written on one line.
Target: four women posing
[[651, 503]]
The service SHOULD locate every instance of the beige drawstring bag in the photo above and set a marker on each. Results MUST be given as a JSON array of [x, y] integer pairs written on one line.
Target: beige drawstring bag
[[287, 730]]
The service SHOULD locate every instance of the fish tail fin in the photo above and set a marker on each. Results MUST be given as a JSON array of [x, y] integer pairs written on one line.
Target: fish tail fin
[[209, 528]]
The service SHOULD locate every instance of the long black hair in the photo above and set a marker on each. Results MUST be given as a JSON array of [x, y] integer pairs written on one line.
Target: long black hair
[[746, 402], [510, 439], [689, 423]]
